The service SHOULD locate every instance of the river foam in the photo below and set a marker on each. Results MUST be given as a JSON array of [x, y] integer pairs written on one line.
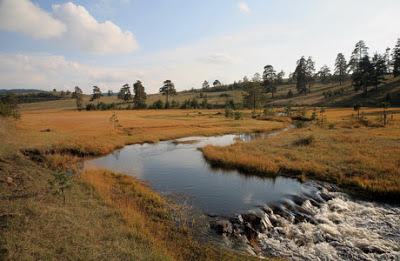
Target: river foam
[[336, 229]]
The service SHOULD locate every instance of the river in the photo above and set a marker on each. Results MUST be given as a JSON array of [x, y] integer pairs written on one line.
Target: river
[[302, 221]]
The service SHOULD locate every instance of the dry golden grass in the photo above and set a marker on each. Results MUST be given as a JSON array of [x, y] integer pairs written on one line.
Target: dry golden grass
[[147, 219], [106, 216], [362, 159], [91, 133]]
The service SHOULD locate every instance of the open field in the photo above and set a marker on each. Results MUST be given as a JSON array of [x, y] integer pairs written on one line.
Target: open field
[[364, 160], [105, 215]]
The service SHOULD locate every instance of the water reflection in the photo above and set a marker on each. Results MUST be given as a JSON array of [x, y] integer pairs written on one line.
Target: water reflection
[[182, 168]]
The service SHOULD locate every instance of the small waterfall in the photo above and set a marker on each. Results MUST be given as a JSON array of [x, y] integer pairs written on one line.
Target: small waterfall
[[318, 226]]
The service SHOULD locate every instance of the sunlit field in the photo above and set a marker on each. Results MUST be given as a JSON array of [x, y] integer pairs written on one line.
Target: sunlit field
[[104, 212], [363, 159]]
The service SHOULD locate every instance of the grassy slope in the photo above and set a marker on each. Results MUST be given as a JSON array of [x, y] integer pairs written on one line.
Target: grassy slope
[[315, 98], [363, 159], [94, 223]]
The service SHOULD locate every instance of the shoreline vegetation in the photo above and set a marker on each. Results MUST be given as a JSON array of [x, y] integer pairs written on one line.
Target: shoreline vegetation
[[354, 154], [108, 215], [103, 215]]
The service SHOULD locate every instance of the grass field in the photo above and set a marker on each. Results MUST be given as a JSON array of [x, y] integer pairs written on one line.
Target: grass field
[[363, 159], [111, 216], [106, 216]]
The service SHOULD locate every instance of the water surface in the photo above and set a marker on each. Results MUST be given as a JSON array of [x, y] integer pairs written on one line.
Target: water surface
[[182, 168]]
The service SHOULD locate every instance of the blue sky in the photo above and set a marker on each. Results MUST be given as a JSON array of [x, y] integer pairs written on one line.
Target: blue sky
[[60, 44]]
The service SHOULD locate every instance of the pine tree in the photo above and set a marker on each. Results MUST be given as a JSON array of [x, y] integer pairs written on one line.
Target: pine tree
[[78, 95], [396, 59], [279, 77], [357, 55], [363, 76], [254, 96], [140, 95], [269, 79], [380, 68], [310, 73], [125, 93], [216, 83], [168, 89], [205, 85], [340, 68], [300, 75], [324, 74], [96, 93]]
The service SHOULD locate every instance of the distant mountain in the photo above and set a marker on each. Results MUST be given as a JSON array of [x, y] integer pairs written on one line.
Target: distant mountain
[[4, 91]]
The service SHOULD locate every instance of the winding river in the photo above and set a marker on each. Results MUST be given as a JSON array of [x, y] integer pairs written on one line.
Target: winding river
[[301, 221]]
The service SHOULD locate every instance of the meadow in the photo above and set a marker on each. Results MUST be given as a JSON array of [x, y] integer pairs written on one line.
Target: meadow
[[364, 160], [105, 216], [112, 216]]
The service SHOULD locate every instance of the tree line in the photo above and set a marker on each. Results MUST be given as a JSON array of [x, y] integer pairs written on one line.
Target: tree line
[[362, 70]]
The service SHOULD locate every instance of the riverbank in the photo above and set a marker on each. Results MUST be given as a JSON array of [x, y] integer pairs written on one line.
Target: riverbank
[[105, 215], [362, 159]]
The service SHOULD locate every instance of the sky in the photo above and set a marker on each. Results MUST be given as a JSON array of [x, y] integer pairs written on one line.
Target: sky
[[47, 44]]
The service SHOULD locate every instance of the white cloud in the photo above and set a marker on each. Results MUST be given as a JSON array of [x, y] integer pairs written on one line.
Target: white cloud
[[44, 71], [25, 17], [243, 7], [68, 25], [90, 35]]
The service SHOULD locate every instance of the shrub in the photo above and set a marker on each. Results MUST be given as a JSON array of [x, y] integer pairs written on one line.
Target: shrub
[[60, 183], [238, 115], [304, 141], [269, 111], [228, 112]]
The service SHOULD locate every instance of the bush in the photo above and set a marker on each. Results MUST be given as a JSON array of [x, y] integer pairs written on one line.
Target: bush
[[9, 106], [8, 111], [228, 112], [238, 115], [60, 183], [269, 111], [304, 141]]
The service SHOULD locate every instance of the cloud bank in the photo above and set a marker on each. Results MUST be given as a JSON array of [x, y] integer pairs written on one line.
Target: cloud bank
[[25, 17], [69, 25]]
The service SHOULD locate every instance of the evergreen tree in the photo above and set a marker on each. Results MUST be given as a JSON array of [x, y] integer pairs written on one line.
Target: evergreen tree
[[168, 89], [140, 95], [125, 93], [388, 62], [310, 72], [110, 93], [78, 95], [379, 69], [396, 59], [279, 77], [254, 96], [96, 93], [360, 51], [269, 79], [300, 75], [324, 74], [340, 68], [216, 83], [363, 76], [205, 85]]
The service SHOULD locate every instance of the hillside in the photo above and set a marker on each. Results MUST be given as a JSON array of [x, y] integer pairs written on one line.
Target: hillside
[[328, 95]]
